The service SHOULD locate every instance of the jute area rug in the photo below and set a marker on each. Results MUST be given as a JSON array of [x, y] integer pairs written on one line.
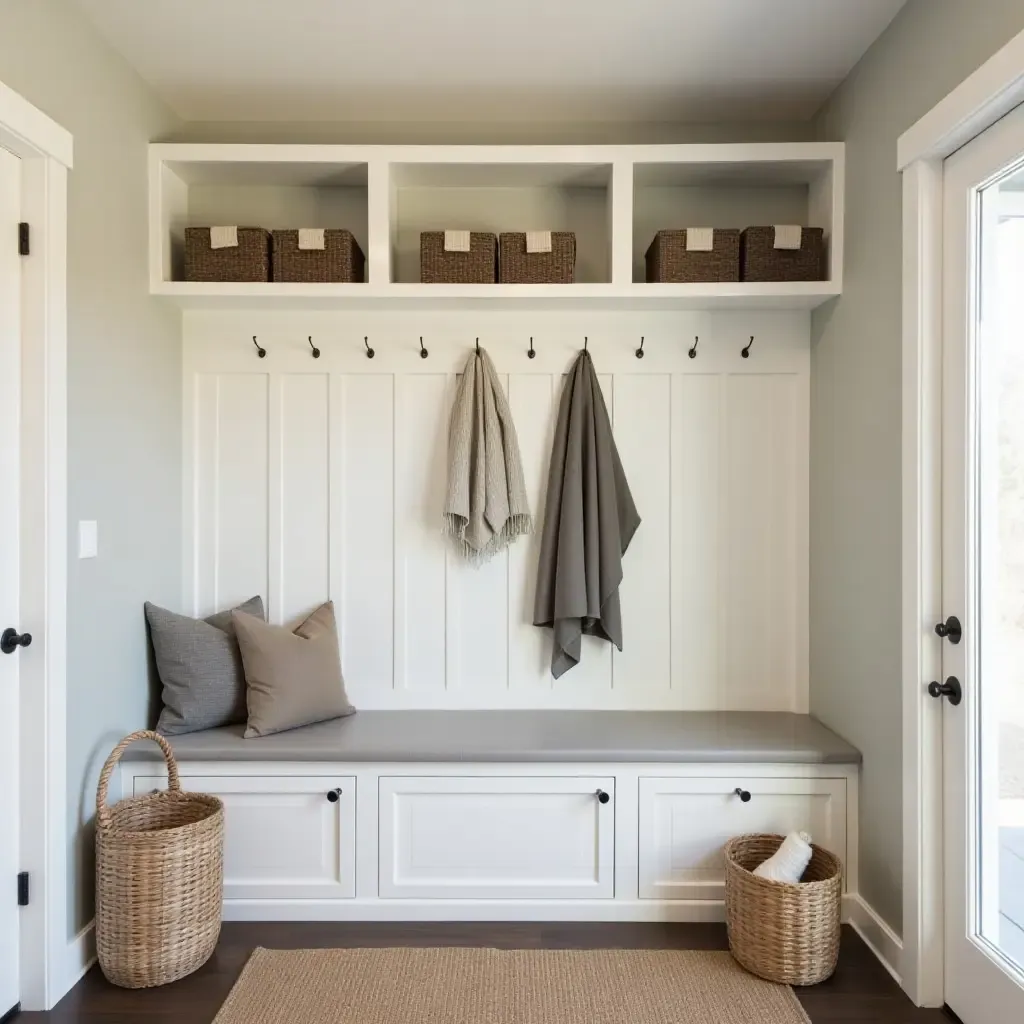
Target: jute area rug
[[492, 986]]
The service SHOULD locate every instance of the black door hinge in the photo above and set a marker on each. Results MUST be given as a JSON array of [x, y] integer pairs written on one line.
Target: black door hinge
[[24, 246], [23, 889]]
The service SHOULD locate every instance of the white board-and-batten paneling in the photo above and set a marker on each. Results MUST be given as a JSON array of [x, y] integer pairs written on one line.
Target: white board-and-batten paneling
[[309, 479]]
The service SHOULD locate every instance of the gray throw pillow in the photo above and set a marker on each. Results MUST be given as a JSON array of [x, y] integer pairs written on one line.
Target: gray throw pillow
[[200, 668], [293, 677]]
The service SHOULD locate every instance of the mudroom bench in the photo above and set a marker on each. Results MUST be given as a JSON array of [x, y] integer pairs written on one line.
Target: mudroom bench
[[509, 815]]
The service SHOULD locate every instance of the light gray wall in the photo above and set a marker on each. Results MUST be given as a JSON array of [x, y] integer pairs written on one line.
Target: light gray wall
[[930, 48], [124, 391]]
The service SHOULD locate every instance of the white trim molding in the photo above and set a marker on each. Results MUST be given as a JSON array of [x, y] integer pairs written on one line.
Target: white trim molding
[[985, 97], [877, 935], [46, 154], [81, 955], [974, 105], [28, 131]]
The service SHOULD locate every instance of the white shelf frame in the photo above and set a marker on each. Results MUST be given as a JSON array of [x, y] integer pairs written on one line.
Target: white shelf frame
[[819, 164]]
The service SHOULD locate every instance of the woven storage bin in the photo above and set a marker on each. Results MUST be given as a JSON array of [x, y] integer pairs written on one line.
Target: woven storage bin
[[159, 878], [247, 261], [340, 260], [517, 266], [787, 933], [763, 262], [669, 261], [438, 266]]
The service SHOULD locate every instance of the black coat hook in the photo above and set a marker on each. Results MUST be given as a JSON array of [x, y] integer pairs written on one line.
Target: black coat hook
[[693, 351], [316, 351], [585, 340], [262, 352], [423, 352], [369, 351], [531, 352], [640, 350], [746, 348], [478, 346]]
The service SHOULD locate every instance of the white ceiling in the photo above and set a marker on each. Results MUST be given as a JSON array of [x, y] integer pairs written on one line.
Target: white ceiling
[[481, 60]]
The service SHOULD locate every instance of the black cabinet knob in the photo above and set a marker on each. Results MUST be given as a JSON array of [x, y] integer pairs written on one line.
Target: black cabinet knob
[[950, 689], [11, 640], [334, 795], [742, 794], [602, 796]]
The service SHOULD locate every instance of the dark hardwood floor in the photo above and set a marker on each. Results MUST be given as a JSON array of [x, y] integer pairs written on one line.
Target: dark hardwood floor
[[860, 992]]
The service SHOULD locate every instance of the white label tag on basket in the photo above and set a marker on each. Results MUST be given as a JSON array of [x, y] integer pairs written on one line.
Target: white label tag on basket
[[788, 236], [456, 241], [311, 238], [223, 238], [538, 241], [700, 239]]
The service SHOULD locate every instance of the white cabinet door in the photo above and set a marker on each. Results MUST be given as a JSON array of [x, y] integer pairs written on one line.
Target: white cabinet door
[[497, 838], [684, 823], [284, 837]]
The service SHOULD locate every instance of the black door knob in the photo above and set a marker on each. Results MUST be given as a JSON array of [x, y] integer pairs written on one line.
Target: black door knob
[[602, 796], [334, 796], [950, 689], [11, 640], [743, 795], [950, 630]]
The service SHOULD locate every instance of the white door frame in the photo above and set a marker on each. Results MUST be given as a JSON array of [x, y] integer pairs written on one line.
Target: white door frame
[[990, 93], [45, 150]]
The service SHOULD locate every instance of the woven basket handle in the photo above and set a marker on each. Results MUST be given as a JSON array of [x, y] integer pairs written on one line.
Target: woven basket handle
[[173, 782]]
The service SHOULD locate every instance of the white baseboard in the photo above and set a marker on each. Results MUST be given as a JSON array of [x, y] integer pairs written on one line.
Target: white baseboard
[[81, 956], [877, 935], [704, 911]]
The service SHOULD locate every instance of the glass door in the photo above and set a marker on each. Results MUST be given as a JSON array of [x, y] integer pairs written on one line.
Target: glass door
[[982, 684]]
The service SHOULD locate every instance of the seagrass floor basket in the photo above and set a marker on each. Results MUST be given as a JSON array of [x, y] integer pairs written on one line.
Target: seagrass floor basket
[[159, 878], [787, 933]]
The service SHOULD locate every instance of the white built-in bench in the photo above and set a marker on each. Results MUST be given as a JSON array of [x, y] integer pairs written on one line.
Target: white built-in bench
[[505, 815]]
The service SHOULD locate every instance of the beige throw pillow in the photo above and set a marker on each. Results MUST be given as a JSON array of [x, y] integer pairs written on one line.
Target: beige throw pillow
[[293, 678]]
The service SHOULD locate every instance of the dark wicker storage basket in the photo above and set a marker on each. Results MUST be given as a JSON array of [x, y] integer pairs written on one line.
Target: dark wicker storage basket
[[763, 262], [787, 933], [669, 261], [159, 878], [517, 266], [247, 261], [438, 266], [340, 260]]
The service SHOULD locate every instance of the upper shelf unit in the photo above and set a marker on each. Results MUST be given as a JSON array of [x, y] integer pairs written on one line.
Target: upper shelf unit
[[615, 198]]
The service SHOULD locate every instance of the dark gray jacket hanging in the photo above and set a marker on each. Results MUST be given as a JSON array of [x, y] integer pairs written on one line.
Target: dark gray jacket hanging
[[589, 521]]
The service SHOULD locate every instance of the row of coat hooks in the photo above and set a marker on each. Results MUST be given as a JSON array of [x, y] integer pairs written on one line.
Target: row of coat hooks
[[531, 351]]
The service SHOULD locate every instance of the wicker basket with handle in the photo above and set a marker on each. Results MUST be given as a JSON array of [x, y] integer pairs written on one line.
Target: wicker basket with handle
[[761, 261], [249, 260], [159, 878], [517, 265], [669, 260], [438, 265], [787, 933], [340, 260]]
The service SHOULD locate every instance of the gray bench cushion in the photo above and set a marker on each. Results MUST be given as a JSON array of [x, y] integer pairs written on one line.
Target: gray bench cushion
[[531, 736]]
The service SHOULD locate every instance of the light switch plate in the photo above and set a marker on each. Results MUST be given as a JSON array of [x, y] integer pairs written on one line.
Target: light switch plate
[[88, 538]]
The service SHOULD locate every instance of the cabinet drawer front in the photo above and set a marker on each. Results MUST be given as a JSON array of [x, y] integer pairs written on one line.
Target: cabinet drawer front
[[497, 838], [685, 823], [283, 837]]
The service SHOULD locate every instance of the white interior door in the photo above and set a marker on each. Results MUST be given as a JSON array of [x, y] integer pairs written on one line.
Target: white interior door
[[983, 575], [10, 462]]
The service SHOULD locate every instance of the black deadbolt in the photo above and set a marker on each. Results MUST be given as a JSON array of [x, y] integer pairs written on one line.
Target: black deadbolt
[[950, 689], [11, 640], [950, 630]]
